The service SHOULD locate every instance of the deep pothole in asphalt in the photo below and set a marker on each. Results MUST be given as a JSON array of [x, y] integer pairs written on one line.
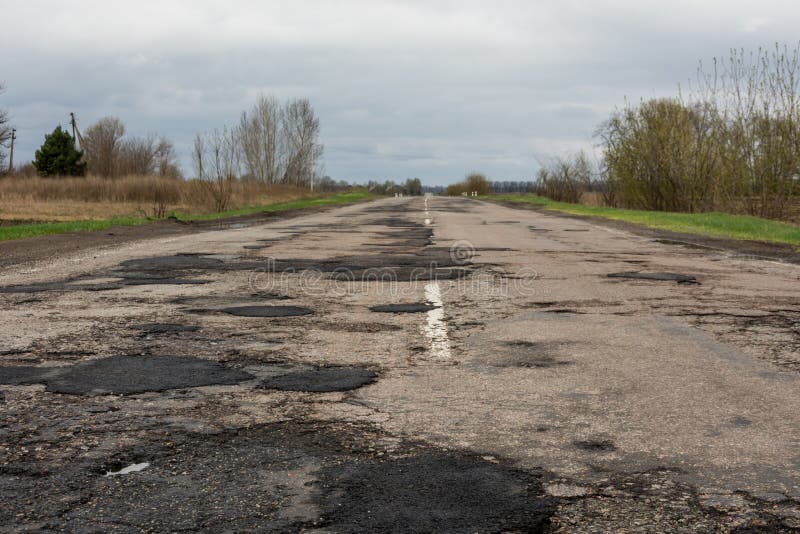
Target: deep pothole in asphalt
[[322, 379], [665, 277], [416, 307], [126, 375]]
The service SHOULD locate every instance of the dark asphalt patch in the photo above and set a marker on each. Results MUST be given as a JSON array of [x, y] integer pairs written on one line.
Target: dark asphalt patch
[[686, 244], [59, 286], [224, 301], [126, 375], [595, 445], [273, 478], [163, 281], [358, 327], [267, 311], [396, 222], [24, 375], [86, 283], [322, 379], [179, 262], [665, 277], [432, 492], [403, 308], [430, 263], [165, 328]]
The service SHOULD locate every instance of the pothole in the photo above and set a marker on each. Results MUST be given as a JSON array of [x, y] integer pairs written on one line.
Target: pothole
[[322, 379], [530, 354], [665, 277], [404, 308], [126, 375], [267, 311], [595, 445]]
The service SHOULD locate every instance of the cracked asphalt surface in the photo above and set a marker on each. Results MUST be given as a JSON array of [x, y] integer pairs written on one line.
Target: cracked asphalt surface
[[556, 375]]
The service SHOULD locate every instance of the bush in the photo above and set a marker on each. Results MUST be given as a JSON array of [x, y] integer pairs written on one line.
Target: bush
[[660, 155], [473, 182], [732, 145], [565, 179]]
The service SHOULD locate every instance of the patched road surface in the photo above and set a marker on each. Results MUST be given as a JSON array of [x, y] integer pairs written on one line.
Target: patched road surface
[[406, 365]]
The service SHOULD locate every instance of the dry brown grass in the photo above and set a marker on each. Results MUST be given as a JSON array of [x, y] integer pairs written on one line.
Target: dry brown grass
[[63, 199]]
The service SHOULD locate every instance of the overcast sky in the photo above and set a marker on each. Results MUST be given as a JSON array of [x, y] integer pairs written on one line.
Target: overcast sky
[[432, 89]]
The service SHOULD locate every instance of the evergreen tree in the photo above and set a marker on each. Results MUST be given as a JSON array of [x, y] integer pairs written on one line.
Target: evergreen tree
[[58, 156]]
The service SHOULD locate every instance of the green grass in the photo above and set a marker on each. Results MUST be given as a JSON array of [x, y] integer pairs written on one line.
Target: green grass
[[24, 231], [339, 198], [710, 224]]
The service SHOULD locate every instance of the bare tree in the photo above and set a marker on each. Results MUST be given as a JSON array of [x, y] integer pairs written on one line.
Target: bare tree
[[135, 155], [301, 137], [102, 145], [565, 179], [259, 134], [5, 134], [149, 155], [217, 161], [166, 159]]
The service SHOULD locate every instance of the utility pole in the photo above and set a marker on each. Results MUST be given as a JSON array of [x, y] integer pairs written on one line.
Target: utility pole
[[11, 152], [76, 134]]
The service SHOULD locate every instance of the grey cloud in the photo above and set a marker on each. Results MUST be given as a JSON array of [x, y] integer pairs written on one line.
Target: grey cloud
[[415, 88]]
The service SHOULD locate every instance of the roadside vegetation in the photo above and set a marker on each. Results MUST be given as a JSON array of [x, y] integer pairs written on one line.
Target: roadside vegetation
[[720, 158], [23, 231], [85, 198], [713, 224], [102, 177], [473, 183]]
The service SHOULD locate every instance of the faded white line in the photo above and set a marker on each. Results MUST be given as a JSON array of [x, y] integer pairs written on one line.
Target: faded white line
[[435, 327], [428, 218]]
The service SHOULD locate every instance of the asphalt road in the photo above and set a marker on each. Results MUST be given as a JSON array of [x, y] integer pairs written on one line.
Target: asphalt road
[[436, 364]]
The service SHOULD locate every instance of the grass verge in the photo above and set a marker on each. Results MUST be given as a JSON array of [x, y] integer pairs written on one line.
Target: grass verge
[[339, 198], [709, 224], [24, 231]]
